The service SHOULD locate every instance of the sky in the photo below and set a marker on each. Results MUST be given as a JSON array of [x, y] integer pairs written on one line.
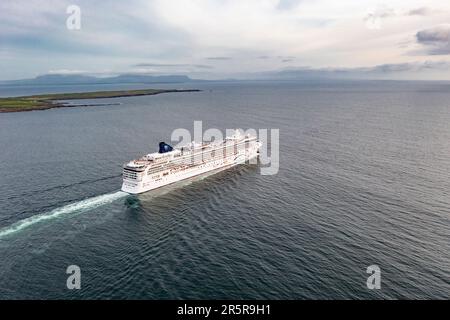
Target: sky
[[216, 39]]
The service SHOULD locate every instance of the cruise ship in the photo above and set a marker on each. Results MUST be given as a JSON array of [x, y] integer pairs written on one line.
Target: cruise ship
[[170, 165]]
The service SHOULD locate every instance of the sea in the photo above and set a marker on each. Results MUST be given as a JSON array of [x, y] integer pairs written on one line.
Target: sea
[[362, 195]]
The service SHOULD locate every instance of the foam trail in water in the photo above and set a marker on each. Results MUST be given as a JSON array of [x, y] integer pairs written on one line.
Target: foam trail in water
[[80, 206]]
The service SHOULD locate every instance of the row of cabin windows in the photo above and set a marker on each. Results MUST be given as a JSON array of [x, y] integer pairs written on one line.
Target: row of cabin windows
[[172, 170], [224, 152], [129, 175]]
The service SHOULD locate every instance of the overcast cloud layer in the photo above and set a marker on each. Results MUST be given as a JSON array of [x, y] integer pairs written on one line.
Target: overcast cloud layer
[[224, 38]]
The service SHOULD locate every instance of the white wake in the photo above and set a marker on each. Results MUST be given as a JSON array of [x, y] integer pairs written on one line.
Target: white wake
[[81, 206]]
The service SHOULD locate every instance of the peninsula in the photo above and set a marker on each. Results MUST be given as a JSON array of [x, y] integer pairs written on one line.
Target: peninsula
[[48, 101]]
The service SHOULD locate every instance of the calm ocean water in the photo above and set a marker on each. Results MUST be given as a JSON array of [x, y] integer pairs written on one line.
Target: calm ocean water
[[364, 179]]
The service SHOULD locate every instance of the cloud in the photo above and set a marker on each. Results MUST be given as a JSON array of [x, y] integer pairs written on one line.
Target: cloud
[[214, 38], [159, 65], [67, 72], [287, 4], [380, 12], [172, 65], [375, 16], [439, 34], [218, 58], [422, 11], [202, 66], [436, 40], [285, 59]]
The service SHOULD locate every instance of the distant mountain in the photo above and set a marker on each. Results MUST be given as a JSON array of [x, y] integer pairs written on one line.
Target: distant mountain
[[133, 78], [399, 71], [50, 79]]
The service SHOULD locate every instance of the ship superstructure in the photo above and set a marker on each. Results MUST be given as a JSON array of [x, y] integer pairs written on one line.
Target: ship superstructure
[[170, 165]]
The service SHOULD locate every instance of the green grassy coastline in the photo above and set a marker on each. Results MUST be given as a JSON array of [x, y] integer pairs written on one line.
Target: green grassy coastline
[[48, 101]]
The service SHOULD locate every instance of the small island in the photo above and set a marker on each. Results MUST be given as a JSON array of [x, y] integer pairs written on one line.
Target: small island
[[48, 101]]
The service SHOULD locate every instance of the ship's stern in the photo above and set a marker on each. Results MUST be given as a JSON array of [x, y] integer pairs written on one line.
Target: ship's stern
[[133, 176], [132, 187]]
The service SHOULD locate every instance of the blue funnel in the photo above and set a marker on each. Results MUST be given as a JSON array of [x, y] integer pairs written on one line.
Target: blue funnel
[[164, 147]]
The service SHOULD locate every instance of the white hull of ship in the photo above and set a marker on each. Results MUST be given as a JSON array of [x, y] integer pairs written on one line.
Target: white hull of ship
[[147, 184]]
